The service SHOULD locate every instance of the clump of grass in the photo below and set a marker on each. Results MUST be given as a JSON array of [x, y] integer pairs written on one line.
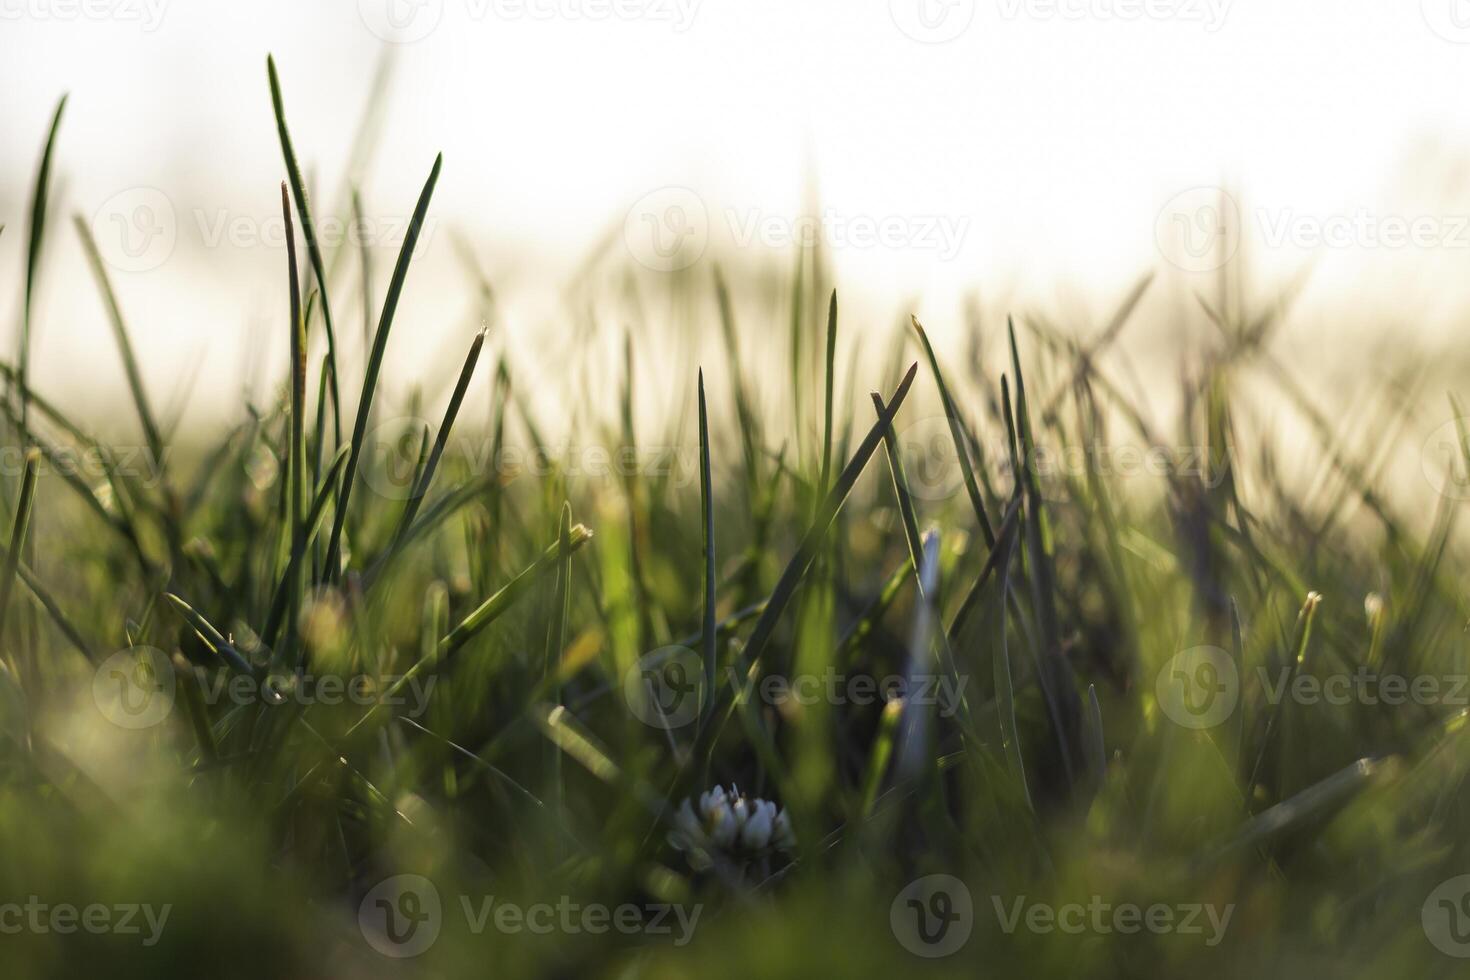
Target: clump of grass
[[1052, 603]]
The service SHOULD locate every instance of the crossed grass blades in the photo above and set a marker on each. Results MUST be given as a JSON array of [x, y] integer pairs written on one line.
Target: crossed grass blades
[[1057, 598]]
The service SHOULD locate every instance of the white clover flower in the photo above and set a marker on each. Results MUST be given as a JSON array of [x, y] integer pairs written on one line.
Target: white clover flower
[[730, 824], [755, 833]]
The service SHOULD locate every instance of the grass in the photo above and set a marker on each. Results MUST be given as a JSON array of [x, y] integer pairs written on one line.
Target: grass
[[497, 750]]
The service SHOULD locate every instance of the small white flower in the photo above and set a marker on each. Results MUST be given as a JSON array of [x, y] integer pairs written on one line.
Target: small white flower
[[782, 837], [756, 833], [729, 823]]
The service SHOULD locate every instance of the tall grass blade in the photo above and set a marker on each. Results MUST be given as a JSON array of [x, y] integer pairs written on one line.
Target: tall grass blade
[[308, 229], [375, 366], [40, 199]]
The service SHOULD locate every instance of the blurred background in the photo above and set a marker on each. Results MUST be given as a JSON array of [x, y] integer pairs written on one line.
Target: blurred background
[[1015, 155]]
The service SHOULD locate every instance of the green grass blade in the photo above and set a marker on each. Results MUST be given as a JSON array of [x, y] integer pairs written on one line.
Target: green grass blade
[[308, 229], [18, 533], [211, 636], [296, 462], [827, 403], [1300, 640], [426, 477], [375, 365], [708, 631], [959, 434], [40, 199], [120, 334]]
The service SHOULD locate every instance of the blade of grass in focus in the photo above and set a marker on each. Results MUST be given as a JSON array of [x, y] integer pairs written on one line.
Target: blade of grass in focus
[[313, 249], [40, 200], [375, 366]]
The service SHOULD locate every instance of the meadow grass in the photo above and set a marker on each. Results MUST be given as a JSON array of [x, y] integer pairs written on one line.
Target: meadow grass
[[167, 739]]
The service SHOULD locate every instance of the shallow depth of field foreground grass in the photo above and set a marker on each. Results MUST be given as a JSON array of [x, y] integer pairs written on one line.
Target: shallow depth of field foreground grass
[[1039, 682]]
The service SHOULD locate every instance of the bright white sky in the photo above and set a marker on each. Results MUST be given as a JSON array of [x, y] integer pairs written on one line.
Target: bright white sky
[[1050, 133]]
